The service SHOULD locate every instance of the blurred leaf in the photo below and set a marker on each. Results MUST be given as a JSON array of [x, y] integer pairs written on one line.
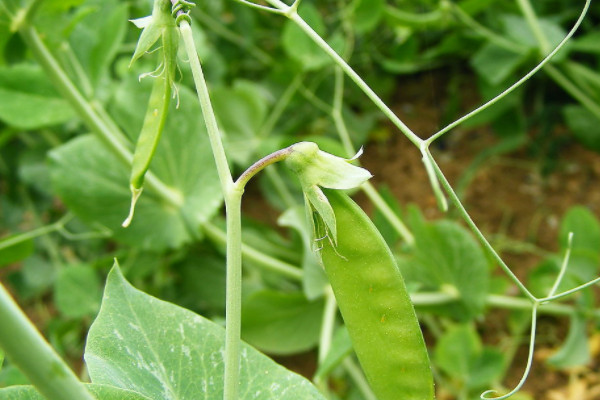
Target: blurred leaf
[[457, 350], [97, 38], [202, 283], [38, 275], [488, 368], [447, 258], [517, 28], [241, 111], [281, 323], [103, 392], [299, 46], [77, 291], [28, 100], [314, 280], [587, 43], [585, 227], [15, 248], [11, 376], [389, 233], [341, 347], [460, 354], [163, 351], [575, 351], [496, 64], [584, 124], [93, 183], [366, 14]]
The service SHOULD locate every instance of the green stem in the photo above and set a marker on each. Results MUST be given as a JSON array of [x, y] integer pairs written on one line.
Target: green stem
[[534, 24], [359, 378], [30, 352], [328, 323], [564, 82], [233, 198], [542, 63], [113, 138], [207, 109], [367, 187], [217, 27], [484, 32], [291, 13], [233, 302], [474, 228], [268, 263]]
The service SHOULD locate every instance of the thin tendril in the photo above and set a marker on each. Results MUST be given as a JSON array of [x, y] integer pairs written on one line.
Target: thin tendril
[[519, 82], [563, 267], [259, 7], [484, 395]]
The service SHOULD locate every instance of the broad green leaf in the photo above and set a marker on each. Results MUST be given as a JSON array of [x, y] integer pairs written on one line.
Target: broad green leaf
[[575, 351], [94, 183], [281, 323], [447, 258], [166, 352], [456, 351], [517, 28], [241, 111], [584, 124], [367, 14], [299, 46], [487, 368], [11, 376], [15, 248], [101, 392], [495, 64], [585, 227], [77, 291], [28, 100], [96, 39]]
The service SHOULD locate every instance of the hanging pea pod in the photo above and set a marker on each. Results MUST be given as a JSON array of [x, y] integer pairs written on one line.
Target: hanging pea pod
[[375, 305], [159, 25], [365, 279]]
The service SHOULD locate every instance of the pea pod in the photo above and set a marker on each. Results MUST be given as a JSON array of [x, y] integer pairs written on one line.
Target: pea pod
[[375, 306], [160, 25]]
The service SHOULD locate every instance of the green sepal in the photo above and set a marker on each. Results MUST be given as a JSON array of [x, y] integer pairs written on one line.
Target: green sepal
[[318, 207], [160, 22]]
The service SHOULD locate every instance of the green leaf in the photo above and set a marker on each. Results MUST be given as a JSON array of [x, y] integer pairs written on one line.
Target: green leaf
[[15, 248], [496, 64], [575, 351], [517, 28], [281, 323], [77, 291], [28, 100], [299, 46], [587, 43], [96, 39], [94, 183], [367, 14], [101, 392], [447, 258], [584, 124], [241, 111], [163, 351], [457, 350], [585, 227]]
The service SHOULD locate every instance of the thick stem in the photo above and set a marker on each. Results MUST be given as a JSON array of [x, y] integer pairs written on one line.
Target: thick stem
[[207, 109], [265, 261], [30, 352], [233, 316]]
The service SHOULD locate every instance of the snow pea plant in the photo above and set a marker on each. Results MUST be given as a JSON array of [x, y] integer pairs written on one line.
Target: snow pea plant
[[140, 347]]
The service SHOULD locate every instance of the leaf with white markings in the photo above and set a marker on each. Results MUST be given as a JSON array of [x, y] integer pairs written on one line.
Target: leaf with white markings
[[166, 352]]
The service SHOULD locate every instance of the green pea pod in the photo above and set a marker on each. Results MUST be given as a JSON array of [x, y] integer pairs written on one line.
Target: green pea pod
[[375, 306], [156, 115]]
